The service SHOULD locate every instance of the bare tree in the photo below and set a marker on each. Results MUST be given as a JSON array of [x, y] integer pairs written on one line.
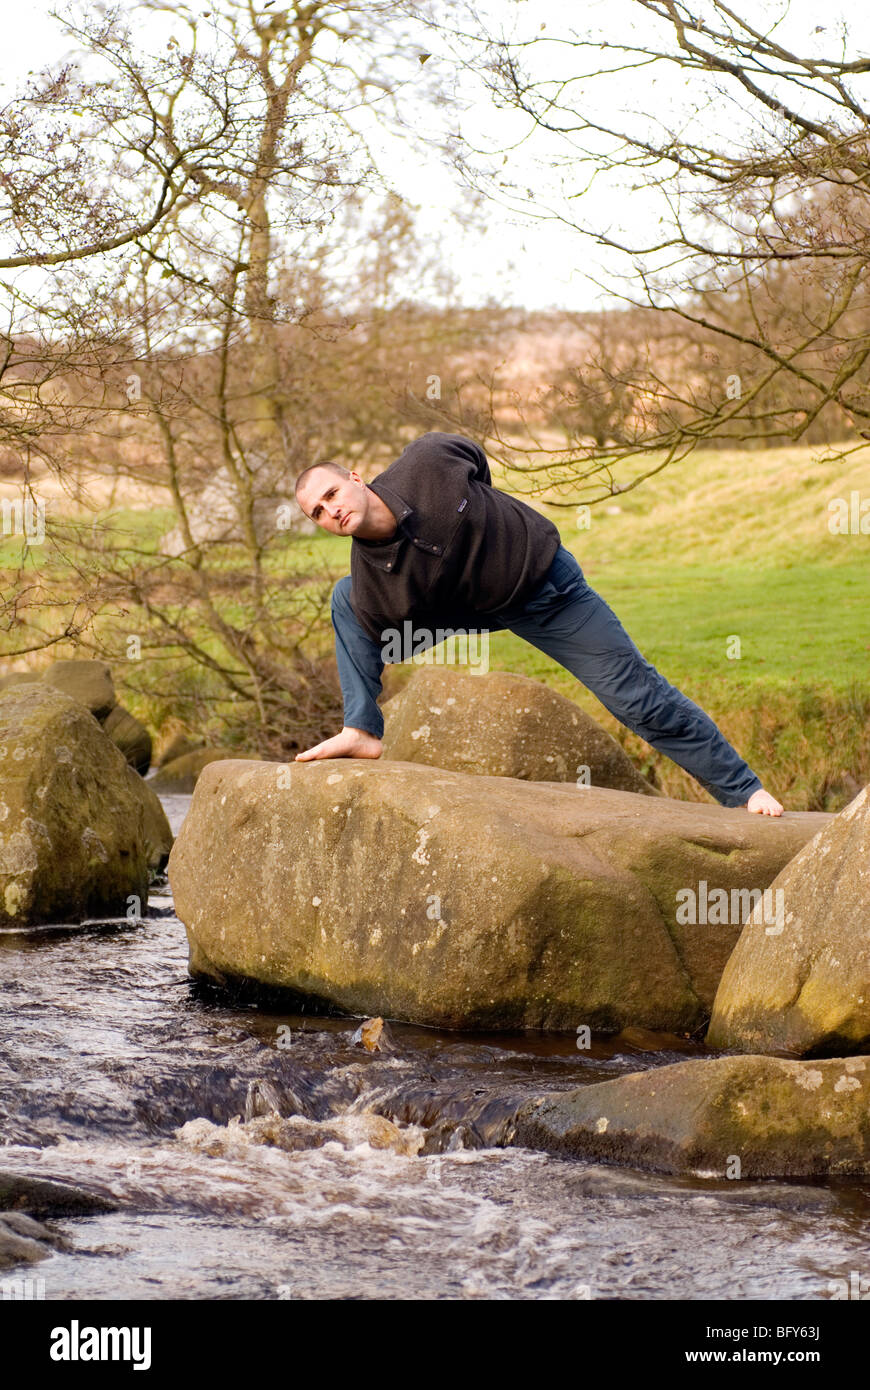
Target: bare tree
[[757, 187], [216, 350]]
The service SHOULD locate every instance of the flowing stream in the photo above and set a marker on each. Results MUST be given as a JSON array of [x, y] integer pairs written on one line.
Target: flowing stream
[[376, 1178]]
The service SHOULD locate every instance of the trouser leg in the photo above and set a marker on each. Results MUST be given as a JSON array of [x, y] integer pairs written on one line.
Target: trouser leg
[[573, 625], [360, 665]]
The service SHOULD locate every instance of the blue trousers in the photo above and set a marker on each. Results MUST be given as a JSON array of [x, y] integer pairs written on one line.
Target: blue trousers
[[572, 624]]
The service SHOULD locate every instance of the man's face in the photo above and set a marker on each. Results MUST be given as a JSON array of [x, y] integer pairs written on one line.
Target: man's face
[[338, 504]]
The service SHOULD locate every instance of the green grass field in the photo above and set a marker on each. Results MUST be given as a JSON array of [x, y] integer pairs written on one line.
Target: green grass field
[[730, 543]]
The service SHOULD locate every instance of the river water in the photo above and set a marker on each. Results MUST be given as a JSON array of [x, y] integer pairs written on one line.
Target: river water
[[120, 1074]]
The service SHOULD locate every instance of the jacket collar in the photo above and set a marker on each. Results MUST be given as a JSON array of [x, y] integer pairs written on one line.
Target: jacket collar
[[383, 554]]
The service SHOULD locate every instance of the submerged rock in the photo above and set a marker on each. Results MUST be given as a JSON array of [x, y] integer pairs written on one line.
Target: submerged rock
[[412, 893], [725, 1117], [23, 1238], [182, 774], [802, 985], [42, 1197], [72, 823], [374, 1036], [502, 725], [24, 1241]]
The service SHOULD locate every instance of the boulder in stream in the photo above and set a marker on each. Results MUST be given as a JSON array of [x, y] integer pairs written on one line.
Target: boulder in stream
[[411, 893], [24, 1241], [89, 682], [45, 1197], [800, 985], [725, 1117], [72, 820]]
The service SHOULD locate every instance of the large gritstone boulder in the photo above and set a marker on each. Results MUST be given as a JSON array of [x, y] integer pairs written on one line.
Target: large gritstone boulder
[[726, 1117], [801, 985], [89, 682], [501, 725], [408, 892], [72, 820]]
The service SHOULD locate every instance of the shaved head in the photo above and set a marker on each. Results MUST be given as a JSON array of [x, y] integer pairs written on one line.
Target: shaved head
[[340, 501], [306, 472]]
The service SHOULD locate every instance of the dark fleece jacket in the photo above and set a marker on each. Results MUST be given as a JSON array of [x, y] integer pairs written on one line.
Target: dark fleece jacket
[[461, 549]]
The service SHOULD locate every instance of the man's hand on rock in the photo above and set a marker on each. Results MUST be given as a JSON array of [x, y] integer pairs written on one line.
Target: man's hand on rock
[[763, 804], [350, 743]]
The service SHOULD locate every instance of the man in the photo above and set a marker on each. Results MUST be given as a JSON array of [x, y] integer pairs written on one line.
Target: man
[[434, 543]]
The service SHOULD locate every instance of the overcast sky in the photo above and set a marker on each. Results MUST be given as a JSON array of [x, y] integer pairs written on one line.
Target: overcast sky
[[516, 260]]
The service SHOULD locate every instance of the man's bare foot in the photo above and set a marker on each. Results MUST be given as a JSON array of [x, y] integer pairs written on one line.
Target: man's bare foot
[[350, 743], [763, 804]]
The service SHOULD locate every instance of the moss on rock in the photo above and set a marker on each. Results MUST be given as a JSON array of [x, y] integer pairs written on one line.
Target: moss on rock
[[502, 725], [726, 1117], [800, 985], [72, 824]]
